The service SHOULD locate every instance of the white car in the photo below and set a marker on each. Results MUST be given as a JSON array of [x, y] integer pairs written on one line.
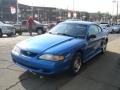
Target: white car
[[116, 29], [106, 28], [7, 29]]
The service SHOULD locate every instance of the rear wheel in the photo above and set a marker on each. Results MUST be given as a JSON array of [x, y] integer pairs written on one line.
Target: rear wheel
[[104, 46], [76, 63], [39, 31], [1, 34]]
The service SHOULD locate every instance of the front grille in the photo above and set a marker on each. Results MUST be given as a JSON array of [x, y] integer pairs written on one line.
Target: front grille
[[28, 53], [28, 66]]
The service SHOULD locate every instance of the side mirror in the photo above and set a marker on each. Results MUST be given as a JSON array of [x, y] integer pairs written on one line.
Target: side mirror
[[92, 36]]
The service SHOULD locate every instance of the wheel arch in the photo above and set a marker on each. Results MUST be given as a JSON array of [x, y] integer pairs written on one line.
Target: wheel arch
[[81, 52], [106, 40], [39, 28]]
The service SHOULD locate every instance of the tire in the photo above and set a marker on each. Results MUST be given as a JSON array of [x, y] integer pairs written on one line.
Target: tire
[[39, 31], [104, 46], [1, 34], [76, 63], [19, 33], [9, 35]]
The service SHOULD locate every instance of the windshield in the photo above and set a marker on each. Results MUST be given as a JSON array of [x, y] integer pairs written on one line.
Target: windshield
[[104, 25], [69, 29]]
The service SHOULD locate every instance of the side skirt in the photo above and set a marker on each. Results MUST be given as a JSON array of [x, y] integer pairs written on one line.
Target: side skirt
[[88, 59]]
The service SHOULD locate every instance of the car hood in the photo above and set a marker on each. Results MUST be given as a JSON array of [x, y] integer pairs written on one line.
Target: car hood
[[43, 42]]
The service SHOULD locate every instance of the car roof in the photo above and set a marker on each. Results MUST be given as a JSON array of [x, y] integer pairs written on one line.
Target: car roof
[[81, 22]]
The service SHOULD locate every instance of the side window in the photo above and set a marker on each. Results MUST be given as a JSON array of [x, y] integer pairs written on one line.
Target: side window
[[93, 29], [99, 29], [107, 25], [24, 23]]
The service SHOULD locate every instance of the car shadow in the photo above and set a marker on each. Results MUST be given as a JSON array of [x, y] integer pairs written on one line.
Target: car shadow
[[31, 81], [27, 34]]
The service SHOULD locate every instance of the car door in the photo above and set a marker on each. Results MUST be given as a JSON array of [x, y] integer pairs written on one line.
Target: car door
[[93, 43], [100, 37]]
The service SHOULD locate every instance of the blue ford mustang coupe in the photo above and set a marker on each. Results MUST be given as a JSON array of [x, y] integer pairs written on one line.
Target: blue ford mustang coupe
[[65, 47]]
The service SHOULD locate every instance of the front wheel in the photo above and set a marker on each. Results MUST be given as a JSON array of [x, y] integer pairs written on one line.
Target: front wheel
[[9, 35], [1, 34], [76, 63], [20, 33]]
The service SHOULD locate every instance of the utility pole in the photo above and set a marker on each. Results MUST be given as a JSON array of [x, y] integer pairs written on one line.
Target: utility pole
[[117, 10], [32, 13], [17, 10], [38, 15]]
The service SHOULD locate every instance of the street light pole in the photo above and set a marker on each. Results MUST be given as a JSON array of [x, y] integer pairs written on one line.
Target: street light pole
[[73, 9]]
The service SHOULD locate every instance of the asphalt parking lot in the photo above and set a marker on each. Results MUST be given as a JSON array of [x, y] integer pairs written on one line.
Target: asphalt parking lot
[[102, 73]]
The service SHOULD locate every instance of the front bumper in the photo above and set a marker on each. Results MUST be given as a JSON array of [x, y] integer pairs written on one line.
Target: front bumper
[[44, 67]]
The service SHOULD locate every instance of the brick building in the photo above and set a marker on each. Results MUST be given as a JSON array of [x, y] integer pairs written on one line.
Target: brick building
[[39, 13]]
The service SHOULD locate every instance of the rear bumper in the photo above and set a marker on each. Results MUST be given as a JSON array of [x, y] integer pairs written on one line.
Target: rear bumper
[[41, 66]]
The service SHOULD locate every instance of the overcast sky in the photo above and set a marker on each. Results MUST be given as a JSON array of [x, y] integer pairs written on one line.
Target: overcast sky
[[81, 5]]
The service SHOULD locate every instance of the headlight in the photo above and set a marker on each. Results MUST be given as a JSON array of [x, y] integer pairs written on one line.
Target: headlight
[[51, 57], [16, 50]]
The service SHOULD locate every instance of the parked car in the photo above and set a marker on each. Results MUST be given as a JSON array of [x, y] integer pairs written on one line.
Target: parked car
[[73, 20], [7, 29], [67, 46], [106, 27], [115, 29], [23, 27], [8, 22], [18, 28], [51, 25]]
